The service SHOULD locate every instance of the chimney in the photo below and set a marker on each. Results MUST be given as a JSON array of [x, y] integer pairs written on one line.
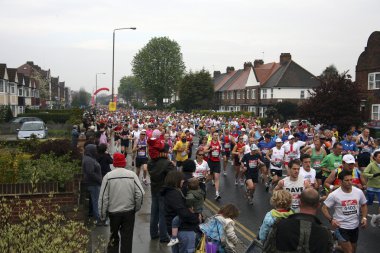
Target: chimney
[[30, 63], [216, 74], [247, 65], [230, 69], [285, 58], [258, 63]]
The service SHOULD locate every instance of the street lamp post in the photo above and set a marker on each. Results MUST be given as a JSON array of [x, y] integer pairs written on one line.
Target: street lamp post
[[113, 55], [96, 84]]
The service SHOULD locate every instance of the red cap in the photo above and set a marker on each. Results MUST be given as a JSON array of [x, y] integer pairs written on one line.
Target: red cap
[[119, 160]]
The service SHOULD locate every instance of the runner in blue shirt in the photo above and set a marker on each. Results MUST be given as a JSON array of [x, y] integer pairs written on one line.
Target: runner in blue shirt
[[349, 146], [266, 145]]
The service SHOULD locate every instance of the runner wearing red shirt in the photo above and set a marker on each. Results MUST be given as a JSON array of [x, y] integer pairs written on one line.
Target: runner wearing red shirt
[[214, 149]]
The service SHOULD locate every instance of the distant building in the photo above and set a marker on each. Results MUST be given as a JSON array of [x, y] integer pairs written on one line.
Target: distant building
[[259, 86], [368, 78]]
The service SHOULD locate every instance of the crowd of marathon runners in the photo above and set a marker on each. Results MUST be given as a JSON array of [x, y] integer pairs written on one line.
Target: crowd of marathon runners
[[302, 166]]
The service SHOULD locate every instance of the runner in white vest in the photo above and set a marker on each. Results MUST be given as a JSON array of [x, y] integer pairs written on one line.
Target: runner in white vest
[[294, 183]]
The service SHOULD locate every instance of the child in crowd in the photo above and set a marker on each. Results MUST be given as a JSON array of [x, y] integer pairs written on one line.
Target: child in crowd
[[194, 201], [155, 144], [281, 201], [220, 228]]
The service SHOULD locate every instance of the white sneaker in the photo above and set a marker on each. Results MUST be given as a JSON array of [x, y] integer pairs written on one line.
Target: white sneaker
[[250, 201], [225, 173], [173, 242], [236, 182], [242, 183], [217, 197], [375, 220]]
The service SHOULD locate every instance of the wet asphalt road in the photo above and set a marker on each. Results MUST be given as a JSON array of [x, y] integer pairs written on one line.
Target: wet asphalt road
[[251, 216]]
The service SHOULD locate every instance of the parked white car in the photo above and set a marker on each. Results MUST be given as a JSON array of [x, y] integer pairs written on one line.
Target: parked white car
[[29, 128]]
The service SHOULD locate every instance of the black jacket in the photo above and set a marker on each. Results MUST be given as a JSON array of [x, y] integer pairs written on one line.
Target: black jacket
[[288, 234], [105, 160], [175, 204], [92, 174], [158, 169]]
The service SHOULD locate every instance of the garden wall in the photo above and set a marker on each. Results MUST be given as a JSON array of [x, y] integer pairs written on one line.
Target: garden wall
[[68, 197]]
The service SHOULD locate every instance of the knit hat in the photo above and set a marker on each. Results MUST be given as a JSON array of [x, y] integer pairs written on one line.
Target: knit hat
[[119, 160], [156, 133]]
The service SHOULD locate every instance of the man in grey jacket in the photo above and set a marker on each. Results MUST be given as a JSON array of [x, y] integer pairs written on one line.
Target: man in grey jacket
[[121, 196]]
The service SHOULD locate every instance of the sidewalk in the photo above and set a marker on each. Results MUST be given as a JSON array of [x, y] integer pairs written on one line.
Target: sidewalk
[[141, 237]]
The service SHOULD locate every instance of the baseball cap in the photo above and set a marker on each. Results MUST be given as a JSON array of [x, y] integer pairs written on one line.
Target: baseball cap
[[243, 129], [254, 147], [290, 137], [348, 159], [278, 140]]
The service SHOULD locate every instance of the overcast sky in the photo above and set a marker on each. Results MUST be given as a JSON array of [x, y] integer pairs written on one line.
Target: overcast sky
[[73, 38]]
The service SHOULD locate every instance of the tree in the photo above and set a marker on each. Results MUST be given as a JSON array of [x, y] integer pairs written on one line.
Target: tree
[[335, 102], [81, 98], [43, 86], [196, 91], [286, 109], [160, 68], [130, 88]]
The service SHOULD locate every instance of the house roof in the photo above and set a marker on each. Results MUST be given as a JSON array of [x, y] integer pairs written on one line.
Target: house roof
[[12, 74], [20, 77], [231, 81], [222, 79], [263, 72], [291, 75], [3, 68], [240, 79]]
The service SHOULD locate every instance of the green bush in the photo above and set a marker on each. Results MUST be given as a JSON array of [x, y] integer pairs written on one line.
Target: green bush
[[11, 162], [49, 168], [39, 229], [54, 117], [58, 147], [223, 114]]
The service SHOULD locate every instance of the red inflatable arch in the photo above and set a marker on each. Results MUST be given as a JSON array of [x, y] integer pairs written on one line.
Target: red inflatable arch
[[101, 89]]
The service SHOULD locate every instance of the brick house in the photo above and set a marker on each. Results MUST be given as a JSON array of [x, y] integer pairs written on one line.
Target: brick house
[[368, 78], [258, 86]]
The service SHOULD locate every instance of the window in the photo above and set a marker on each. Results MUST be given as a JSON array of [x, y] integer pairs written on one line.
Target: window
[[375, 112], [222, 95], [271, 93], [264, 93], [302, 94], [231, 95], [238, 94], [20, 92], [1, 86], [222, 108], [253, 94], [247, 94], [27, 92], [374, 81], [237, 108], [6, 86], [12, 88]]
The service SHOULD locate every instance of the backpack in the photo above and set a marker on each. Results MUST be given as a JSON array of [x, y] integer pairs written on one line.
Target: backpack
[[303, 244]]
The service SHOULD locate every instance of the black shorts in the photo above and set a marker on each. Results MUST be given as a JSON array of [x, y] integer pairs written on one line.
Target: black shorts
[[237, 160], [125, 143], [141, 161], [226, 153], [116, 138], [252, 174], [347, 235], [276, 172], [318, 175], [214, 166]]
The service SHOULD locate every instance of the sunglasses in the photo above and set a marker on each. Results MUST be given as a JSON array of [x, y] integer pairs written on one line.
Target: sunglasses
[[201, 154]]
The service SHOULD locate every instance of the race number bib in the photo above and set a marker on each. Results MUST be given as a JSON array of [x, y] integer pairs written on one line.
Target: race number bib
[[184, 153], [252, 164], [141, 153], [227, 145], [349, 207], [337, 164], [215, 153]]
